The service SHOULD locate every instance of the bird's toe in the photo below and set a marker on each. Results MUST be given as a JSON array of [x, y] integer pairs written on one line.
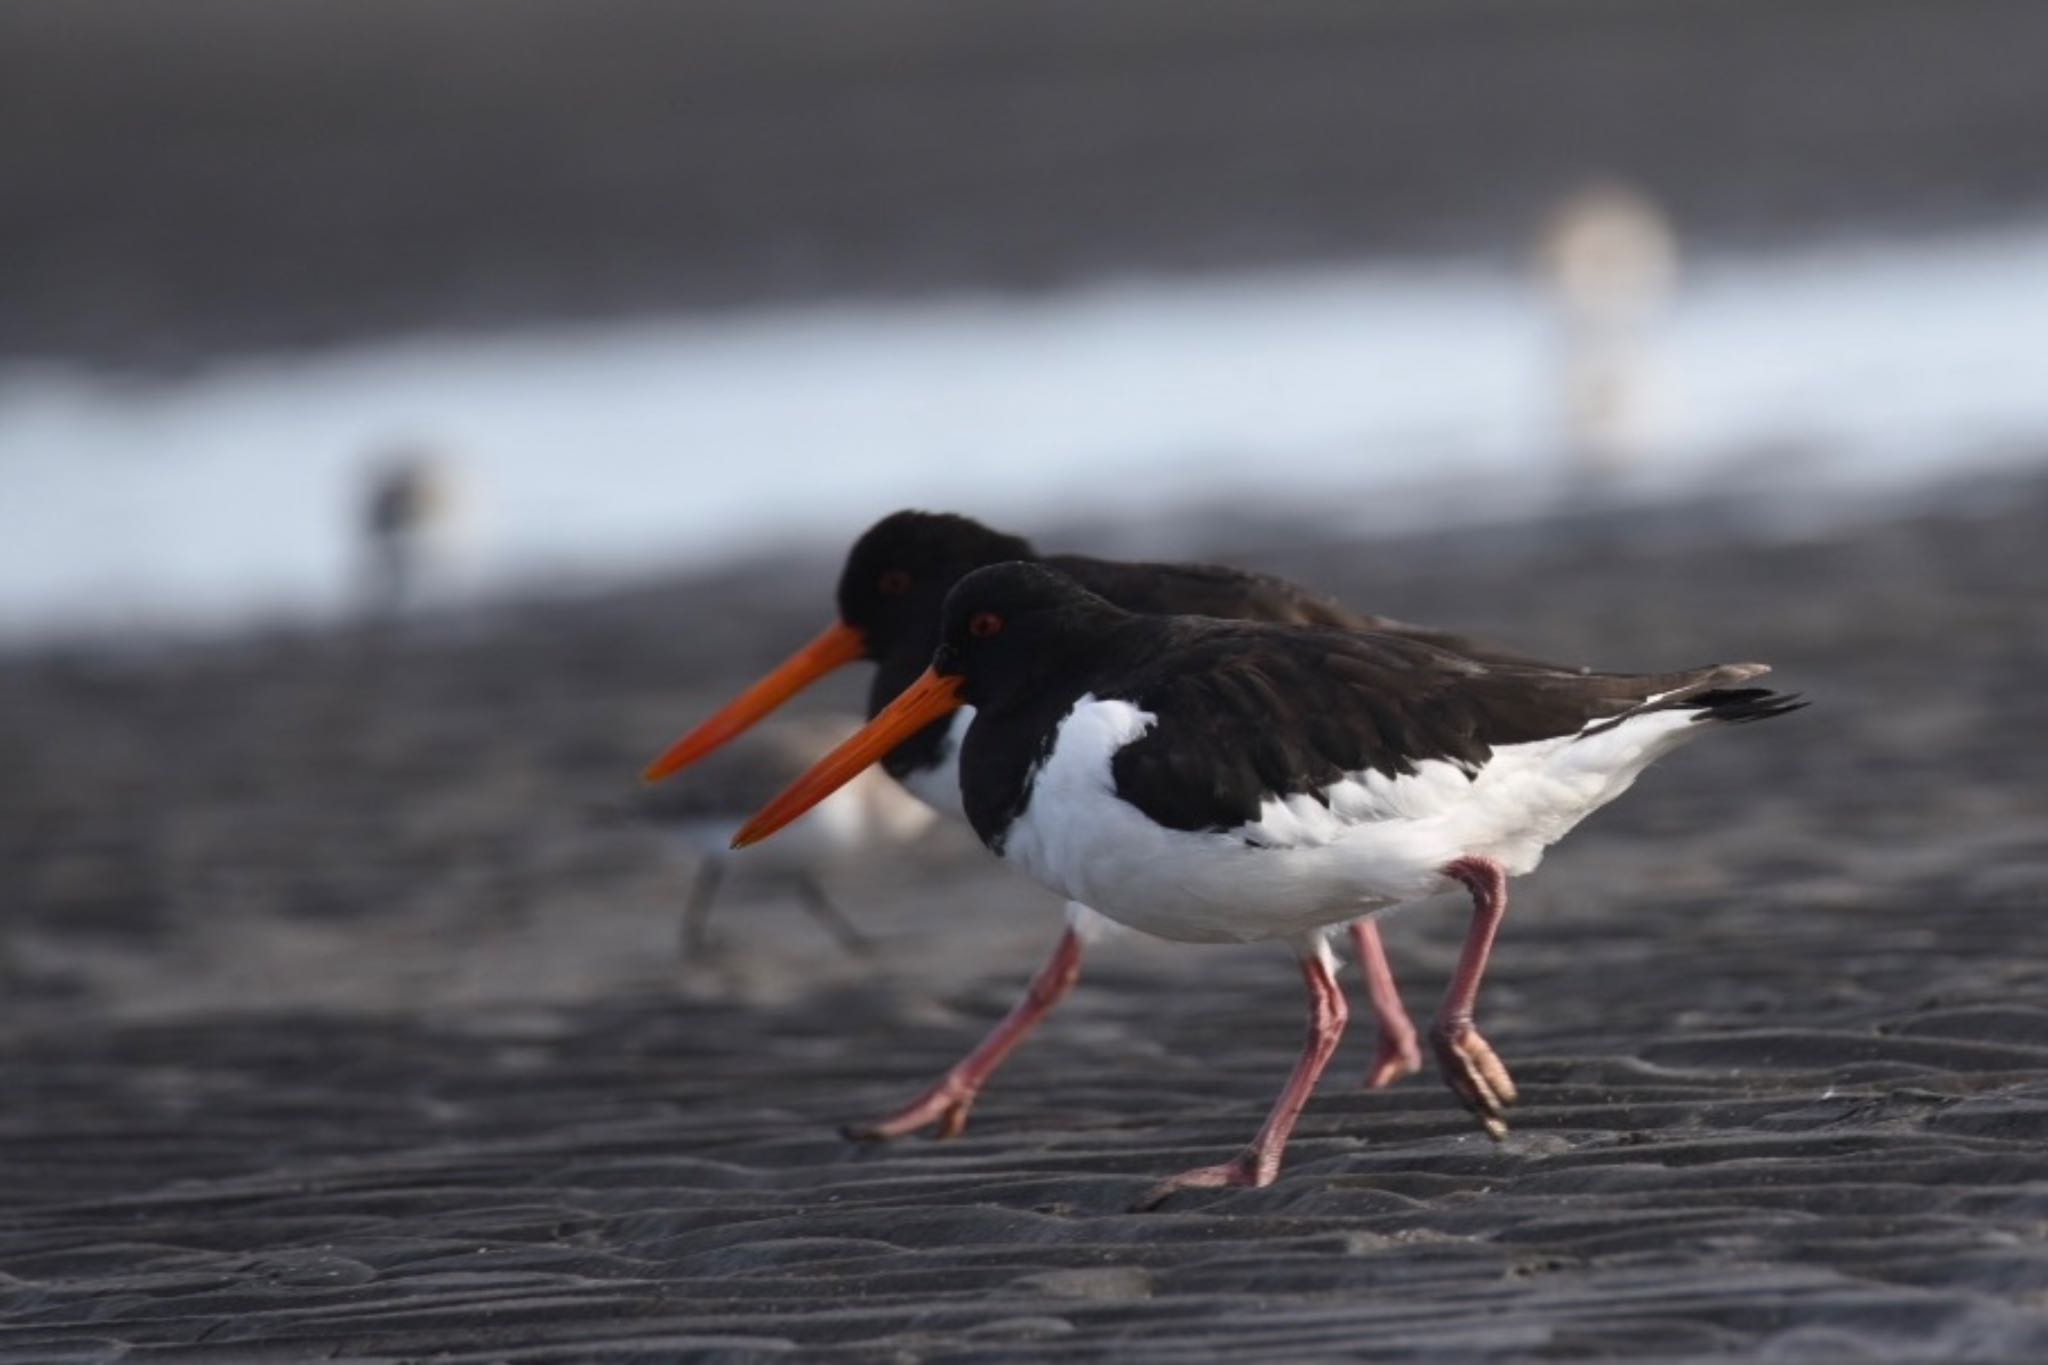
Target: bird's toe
[[1247, 1170], [1476, 1075], [1396, 1058]]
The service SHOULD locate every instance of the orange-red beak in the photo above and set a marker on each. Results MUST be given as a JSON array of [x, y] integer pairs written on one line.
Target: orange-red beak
[[924, 701], [836, 646]]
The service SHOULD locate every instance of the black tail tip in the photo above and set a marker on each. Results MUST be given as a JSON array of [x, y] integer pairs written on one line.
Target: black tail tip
[[1741, 705]]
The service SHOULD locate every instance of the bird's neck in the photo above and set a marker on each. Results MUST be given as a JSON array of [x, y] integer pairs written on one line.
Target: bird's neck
[[1002, 754]]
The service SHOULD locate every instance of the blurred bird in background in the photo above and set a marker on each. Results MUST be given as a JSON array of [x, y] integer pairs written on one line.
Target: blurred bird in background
[[414, 521], [863, 822], [1608, 257]]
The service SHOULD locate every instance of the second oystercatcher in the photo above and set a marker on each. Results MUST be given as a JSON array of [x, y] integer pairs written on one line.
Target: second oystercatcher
[[1211, 782], [890, 594]]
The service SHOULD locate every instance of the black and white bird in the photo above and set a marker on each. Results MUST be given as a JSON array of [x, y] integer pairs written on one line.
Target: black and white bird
[[1211, 781], [891, 592]]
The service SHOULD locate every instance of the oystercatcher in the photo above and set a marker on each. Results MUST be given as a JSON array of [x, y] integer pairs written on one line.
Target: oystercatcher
[[699, 819], [1211, 781], [890, 593]]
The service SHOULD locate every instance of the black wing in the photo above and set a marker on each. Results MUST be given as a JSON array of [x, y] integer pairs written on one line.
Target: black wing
[[1235, 595], [1246, 713]]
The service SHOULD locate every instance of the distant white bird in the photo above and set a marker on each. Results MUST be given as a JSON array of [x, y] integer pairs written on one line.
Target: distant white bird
[[1609, 257], [866, 820]]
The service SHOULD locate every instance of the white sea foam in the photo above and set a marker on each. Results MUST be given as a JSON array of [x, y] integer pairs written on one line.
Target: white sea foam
[[615, 448]]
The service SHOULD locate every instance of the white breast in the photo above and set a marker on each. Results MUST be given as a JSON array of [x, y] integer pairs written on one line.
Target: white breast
[[938, 785], [1373, 842]]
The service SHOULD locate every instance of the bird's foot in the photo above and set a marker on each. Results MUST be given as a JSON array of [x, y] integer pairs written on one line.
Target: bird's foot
[[703, 950], [1475, 1075], [1397, 1056], [945, 1104], [1249, 1169]]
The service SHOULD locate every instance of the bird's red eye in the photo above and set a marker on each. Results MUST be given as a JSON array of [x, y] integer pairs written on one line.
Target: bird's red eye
[[893, 583], [984, 624]]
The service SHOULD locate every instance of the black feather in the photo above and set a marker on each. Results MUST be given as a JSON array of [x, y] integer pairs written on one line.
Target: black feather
[[1741, 705], [1248, 711]]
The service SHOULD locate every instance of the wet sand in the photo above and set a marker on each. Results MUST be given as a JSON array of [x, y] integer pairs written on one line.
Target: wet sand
[[338, 1023]]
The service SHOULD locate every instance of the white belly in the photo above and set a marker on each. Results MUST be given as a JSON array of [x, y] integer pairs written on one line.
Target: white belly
[[1304, 865]]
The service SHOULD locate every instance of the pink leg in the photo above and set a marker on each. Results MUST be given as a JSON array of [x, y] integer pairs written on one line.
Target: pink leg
[[1397, 1054], [1257, 1165], [1475, 1075], [947, 1103]]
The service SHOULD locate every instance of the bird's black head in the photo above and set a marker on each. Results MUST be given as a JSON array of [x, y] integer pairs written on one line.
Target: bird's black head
[[896, 578], [1008, 631], [898, 573], [1013, 634]]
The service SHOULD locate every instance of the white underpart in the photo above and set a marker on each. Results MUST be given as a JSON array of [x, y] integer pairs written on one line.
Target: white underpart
[[1088, 925], [870, 811], [938, 785], [1303, 865]]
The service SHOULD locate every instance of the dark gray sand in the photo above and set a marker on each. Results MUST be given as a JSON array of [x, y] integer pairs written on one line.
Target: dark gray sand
[[335, 1026]]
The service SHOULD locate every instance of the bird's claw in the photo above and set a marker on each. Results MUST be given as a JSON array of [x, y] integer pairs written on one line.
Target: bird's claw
[[945, 1105], [1247, 1170], [1396, 1057], [1475, 1075]]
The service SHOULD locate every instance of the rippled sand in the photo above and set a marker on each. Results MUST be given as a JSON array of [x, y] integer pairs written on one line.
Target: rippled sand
[[341, 1020]]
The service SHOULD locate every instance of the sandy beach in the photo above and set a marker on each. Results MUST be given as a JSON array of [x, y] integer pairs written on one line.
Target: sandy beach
[[340, 1023], [342, 1011]]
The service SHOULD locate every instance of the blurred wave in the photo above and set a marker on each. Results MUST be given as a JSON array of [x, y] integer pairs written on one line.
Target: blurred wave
[[605, 450]]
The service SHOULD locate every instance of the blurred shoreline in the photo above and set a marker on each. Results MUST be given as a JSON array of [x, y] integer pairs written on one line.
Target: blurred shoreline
[[1382, 397]]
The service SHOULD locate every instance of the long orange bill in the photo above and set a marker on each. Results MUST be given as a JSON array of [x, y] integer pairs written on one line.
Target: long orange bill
[[836, 646], [924, 701]]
